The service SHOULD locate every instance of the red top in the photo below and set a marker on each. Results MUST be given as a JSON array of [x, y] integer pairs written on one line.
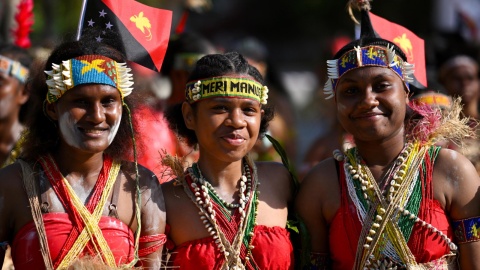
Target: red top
[[273, 250], [26, 246], [345, 230]]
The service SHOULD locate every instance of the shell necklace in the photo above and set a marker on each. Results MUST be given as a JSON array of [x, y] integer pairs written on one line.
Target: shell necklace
[[210, 205], [379, 212]]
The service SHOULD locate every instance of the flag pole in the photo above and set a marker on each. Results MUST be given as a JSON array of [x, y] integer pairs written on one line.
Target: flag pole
[[82, 17]]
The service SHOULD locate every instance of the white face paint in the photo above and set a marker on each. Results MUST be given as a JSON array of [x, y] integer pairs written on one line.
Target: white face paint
[[74, 137], [114, 130], [68, 128]]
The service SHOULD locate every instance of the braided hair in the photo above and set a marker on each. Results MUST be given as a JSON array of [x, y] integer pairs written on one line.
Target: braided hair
[[215, 65]]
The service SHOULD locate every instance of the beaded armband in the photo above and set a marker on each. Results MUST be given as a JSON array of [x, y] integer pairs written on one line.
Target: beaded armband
[[466, 230], [318, 261]]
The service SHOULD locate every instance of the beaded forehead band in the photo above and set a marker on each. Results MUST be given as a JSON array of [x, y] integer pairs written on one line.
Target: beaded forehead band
[[376, 56], [13, 68], [87, 69], [239, 87]]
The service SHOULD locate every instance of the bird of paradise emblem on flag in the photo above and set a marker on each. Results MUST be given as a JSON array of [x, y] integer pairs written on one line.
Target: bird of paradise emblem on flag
[[406, 45], [142, 23], [412, 45], [142, 31]]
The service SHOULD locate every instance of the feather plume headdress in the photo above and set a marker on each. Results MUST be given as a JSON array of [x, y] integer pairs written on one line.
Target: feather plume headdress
[[88, 69], [24, 20]]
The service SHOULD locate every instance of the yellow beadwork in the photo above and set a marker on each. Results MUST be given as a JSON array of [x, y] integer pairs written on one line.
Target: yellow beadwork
[[383, 226], [91, 230]]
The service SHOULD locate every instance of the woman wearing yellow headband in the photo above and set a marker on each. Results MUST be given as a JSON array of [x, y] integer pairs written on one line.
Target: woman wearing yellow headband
[[71, 200], [219, 215]]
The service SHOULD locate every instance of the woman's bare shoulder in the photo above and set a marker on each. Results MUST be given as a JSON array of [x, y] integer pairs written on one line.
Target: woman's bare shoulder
[[456, 184], [320, 186], [322, 174]]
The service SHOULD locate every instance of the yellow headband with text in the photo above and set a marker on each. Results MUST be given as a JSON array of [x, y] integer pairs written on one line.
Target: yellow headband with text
[[239, 87]]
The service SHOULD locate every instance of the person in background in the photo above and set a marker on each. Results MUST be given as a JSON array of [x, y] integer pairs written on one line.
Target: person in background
[[14, 69], [282, 127], [183, 52], [395, 200], [15, 63], [460, 77], [218, 214], [334, 135], [71, 200]]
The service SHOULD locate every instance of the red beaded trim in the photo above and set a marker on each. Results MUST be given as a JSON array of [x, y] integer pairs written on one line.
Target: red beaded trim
[[162, 238]]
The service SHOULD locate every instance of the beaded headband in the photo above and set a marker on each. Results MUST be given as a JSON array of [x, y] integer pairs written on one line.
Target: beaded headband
[[372, 55], [239, 87], [13, 68], [87, 69]]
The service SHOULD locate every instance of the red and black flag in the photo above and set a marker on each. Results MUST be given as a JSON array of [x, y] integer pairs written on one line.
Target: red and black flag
[[144, 30], [411, 44]]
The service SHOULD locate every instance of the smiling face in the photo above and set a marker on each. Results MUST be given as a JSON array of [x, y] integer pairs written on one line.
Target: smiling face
[[226, 128], [371, 103], [88, 117]]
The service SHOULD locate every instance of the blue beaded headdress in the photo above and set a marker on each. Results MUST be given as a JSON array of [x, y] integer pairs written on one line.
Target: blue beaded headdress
[[372, 55], [379, 54]]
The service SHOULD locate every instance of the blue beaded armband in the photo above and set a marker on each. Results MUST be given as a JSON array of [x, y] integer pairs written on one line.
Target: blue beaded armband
[[466, 230]]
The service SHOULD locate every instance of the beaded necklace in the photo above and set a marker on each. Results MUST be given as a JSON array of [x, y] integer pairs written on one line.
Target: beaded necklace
[[387, 218], [86, 234], [232, 233]]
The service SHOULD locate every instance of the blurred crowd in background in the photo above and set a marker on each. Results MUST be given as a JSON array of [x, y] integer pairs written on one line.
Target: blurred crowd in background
[[289, 42]]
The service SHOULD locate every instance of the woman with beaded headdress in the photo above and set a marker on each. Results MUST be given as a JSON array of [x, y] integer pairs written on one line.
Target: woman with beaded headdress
[[218, 214], [70, 201], [14, 68], [395, 201]]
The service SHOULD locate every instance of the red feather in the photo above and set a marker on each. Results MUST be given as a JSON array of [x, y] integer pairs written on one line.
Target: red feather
[[24, 19]]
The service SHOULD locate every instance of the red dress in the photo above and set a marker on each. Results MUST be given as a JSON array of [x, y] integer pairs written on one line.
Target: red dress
[[273, 250], [345, 230], [26, 246]]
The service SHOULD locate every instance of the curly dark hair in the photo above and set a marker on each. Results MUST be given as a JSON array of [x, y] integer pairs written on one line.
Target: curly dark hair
[[215, 65], [26, 59], [43, 132]]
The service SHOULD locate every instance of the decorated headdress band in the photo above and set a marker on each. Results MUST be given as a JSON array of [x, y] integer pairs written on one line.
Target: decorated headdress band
[[239, 87], [434, 99], [87, 69], [372, 55], [13, 68]]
